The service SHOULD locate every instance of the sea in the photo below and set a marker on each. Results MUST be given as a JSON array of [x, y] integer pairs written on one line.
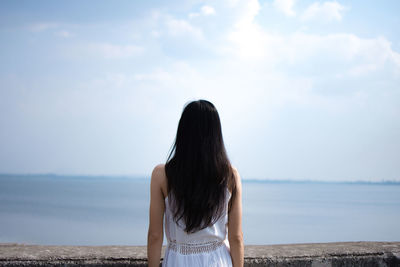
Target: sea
[[103, 210]]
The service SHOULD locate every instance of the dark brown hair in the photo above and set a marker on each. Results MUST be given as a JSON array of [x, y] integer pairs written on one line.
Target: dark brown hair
[[198, 169]]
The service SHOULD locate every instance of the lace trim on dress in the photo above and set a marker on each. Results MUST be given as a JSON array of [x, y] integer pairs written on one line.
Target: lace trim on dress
[[184, 248]]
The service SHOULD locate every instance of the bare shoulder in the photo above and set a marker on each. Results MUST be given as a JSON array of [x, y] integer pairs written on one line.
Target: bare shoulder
[[237, 179], [236, 174], [159, 168], [235, 171], [159, 177]]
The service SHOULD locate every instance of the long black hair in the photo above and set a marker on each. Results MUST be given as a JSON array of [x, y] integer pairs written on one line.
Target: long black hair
[[198, 169]]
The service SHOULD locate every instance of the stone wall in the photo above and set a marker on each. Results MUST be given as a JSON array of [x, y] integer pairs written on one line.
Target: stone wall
[[313, 254]]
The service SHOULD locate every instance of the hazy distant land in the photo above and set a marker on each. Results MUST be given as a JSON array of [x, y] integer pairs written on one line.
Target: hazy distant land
[[245, 180]]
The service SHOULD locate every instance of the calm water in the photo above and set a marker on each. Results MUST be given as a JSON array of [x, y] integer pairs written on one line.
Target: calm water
[[114, 211]]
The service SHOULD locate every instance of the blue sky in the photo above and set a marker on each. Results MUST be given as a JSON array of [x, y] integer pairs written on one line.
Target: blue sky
[[305, 89]]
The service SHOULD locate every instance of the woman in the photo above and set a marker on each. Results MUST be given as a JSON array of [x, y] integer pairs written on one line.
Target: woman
[[200, 194]]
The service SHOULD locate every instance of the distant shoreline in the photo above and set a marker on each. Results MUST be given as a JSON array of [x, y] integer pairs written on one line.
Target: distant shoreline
[[384, 182], [142, 178]]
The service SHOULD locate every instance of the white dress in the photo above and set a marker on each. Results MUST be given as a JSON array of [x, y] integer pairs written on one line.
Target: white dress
[[206, 247]]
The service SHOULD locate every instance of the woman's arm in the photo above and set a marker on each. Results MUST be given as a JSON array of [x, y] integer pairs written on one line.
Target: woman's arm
[[235, 234], [157, 207]]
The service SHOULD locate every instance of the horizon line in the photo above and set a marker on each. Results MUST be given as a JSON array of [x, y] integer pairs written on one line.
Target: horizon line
[[252, 180]]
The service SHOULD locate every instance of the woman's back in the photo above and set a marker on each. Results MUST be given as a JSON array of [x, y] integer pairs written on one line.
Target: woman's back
[[205, 247], [196, 193]]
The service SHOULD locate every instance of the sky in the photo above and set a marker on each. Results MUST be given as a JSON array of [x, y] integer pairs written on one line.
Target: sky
[[306, 90]]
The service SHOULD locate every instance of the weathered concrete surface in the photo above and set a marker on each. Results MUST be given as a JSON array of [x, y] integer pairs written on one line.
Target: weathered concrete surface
[[325, 254], [313, 254]]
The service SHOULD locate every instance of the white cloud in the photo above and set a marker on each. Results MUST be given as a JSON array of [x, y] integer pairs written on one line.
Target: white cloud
[[178, 27], [204, 10], [327, 11], [53, 26], [249, 42], [112, 51], [285, 6], [194, 15], [40, 27], [165, 24], [155, 33], [63, 34], [247, 39], [248, 11], [207, 10], [362, 69], [158, 75], [343, 53]]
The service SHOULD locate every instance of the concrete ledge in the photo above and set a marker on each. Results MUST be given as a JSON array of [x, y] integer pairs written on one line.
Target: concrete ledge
[[313, 254]]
